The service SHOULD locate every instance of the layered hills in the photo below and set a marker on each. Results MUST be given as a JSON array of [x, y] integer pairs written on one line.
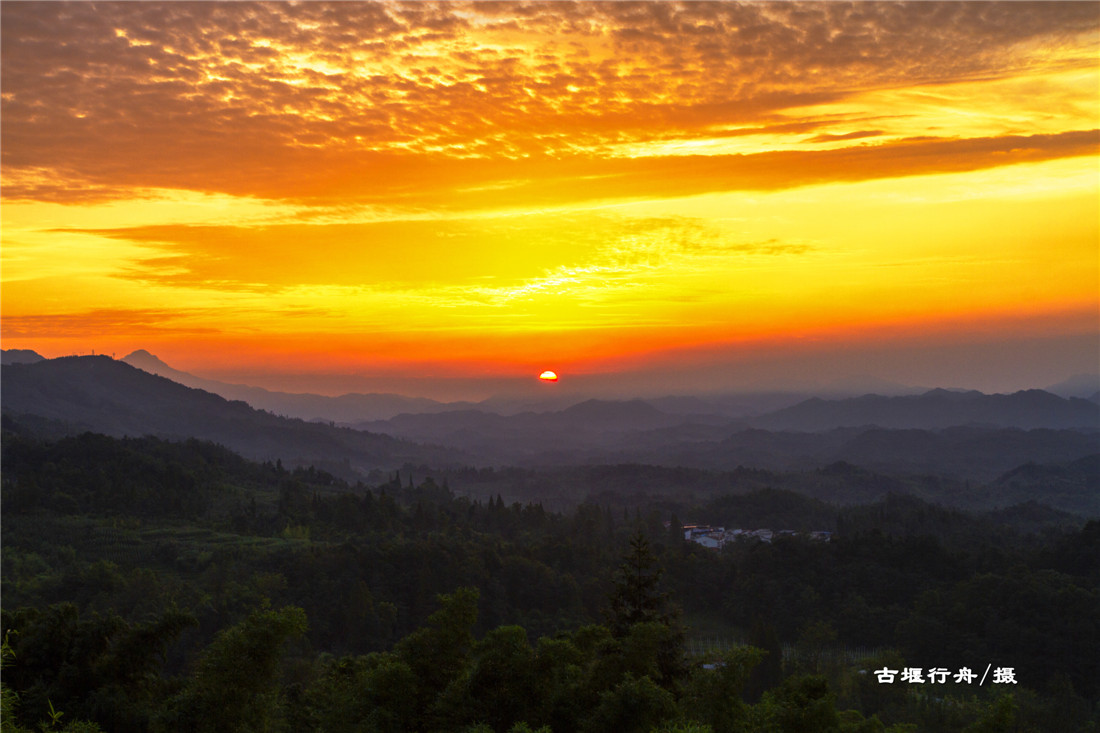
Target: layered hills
[[102, 395], [1008, 444], [344, 408]]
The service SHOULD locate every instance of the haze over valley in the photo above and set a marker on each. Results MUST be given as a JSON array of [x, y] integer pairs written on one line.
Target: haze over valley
[[957, 437]]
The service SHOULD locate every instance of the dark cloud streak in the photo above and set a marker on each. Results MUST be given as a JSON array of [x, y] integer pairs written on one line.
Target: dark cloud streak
[[419, 181]]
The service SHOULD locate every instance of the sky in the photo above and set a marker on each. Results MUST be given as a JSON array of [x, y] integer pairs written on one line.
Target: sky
[[651, 197]]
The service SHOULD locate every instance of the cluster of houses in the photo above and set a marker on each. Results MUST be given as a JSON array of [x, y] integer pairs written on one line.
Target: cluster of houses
[[715, 537]]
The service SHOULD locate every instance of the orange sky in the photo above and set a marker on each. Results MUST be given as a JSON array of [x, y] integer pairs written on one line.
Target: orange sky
[[494, 189]]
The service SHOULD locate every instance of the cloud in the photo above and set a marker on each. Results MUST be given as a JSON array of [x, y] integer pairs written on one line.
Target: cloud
[[380, 254], [407, 101], [104, 322], [415, 181], [405, 170], [583, 256], [833, 138]]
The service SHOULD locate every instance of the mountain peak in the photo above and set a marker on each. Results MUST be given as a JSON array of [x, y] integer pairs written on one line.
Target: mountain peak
[[20, 356], [142, 356], [1079, 385], [143, 360], [952, 394]]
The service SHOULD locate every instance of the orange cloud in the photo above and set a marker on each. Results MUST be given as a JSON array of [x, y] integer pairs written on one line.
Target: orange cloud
[[384, 100], [490, 180], [102, 323]]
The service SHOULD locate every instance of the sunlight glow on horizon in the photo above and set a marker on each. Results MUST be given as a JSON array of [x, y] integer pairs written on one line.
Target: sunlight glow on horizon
[[586, 185]]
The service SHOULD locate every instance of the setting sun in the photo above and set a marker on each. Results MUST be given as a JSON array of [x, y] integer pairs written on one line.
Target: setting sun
[[386, 189], [548, 376]]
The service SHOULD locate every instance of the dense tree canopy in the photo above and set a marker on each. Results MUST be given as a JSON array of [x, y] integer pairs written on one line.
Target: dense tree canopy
[[151, 585]]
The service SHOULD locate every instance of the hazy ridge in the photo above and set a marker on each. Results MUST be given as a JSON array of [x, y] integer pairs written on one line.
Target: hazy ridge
[[1028, 440], [99, 394]]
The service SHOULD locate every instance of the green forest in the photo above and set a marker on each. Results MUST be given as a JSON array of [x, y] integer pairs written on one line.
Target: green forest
[[151, 585]]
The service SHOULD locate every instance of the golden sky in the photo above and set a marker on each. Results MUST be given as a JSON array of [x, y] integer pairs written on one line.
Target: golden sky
[[497, 188]]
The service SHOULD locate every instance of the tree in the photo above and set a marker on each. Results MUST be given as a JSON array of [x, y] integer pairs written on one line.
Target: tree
[[675, 532], [634, 706], [636, 597], [235, 687], [713, 696], [639, 612], [799, 705], [560, 667], [502, 684], [439, 652], [362, 693], [8, 698], [1000, 718], [814, 642], [769, 672]]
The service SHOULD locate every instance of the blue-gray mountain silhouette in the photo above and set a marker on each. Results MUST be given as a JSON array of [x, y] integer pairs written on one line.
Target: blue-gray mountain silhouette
[[100, 394]]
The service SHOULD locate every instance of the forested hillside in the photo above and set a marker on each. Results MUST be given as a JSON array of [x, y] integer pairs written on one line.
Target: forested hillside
[[138, 573], [74, 394]]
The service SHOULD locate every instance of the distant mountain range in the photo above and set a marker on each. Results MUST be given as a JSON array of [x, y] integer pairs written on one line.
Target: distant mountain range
[[938, 409], [358, 407], [964, 434], [934, 410], [100, 394], [772, 410], [345, 408]]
